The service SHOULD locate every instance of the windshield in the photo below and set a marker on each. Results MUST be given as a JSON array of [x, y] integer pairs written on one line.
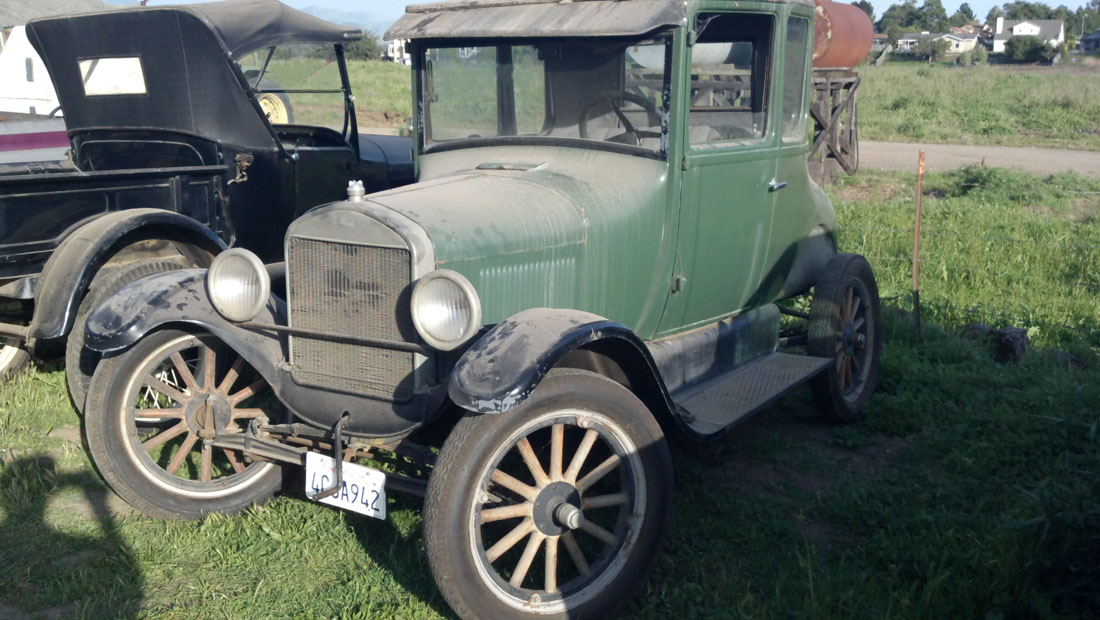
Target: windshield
[[601, 93]]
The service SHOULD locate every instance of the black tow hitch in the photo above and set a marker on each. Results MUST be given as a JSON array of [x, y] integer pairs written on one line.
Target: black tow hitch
[[338, 456]]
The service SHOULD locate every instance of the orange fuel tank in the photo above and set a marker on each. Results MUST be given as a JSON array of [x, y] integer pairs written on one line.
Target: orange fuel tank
[[842, 34]]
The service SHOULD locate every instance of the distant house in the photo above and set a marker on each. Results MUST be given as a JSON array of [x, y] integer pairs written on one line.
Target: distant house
[[1090, 43], [957, 42], [398, 51], [27, 88], [1050, 31]]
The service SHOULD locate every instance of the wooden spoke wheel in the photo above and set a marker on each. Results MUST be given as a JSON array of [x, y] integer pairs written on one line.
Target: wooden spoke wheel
[[152, 414], [845, 324], [559, 505]]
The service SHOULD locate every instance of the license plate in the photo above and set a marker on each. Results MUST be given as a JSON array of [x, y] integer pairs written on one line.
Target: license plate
[[363, 489]]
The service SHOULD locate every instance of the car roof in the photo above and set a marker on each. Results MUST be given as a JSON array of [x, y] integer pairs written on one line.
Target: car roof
[[243, 26], [542, 18]]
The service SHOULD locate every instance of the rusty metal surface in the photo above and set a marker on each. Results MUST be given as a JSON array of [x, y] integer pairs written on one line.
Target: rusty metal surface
[[842, 34]]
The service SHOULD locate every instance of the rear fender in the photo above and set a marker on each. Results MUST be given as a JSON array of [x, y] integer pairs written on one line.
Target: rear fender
[[71, 267], [505, 365]]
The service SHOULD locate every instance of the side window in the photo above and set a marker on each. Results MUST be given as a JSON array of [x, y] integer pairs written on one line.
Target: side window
[[794, 80], [730, 71]]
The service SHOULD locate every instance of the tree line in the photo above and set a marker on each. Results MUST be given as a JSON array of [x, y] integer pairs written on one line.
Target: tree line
[[931, 16]]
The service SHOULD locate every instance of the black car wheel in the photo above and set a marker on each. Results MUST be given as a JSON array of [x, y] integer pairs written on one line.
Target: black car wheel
[[553, 509], [183, 389], [845, 324], [80, 362], [13, 360]]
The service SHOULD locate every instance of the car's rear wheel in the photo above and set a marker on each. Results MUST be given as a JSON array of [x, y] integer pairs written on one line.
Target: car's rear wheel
[[554, 509], [13, 360], [846, 325], [149, 417]]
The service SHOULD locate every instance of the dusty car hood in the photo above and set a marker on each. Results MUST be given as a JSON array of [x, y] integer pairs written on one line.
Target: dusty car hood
[[478, 213]]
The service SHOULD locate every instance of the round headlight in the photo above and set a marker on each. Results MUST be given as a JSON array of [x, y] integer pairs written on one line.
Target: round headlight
[[238, 284], [445, 309]]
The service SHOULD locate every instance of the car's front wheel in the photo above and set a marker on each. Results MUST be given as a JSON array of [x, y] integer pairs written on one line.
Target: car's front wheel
[[151, 414], [553, 509]]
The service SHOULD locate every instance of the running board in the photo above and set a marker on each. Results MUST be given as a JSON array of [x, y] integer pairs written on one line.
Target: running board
[[728, 399]]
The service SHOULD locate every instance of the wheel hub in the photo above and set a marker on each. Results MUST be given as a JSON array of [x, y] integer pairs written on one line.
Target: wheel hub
[[207, 414], [557, 509], [849, 338]]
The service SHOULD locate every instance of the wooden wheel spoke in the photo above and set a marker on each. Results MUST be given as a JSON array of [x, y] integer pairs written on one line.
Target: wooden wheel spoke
[[599, 533], [231, 376], [510, 539], [184, 372], [164, 436], [858, 323], [251, 390], [237, 466], [182, 453], [579, 456], [557, 447], [601, 470], [551, 565], [514, 511], [529, 457], [603, 501], [207, 463], [210, 368], [848, 293], [527, 492], [854, 309], [166, 390], [840, 365], [166, 413], [575, 553], [524, 564]]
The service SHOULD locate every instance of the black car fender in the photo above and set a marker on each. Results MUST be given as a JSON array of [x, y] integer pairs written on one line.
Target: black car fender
[[503, 367], [71, 267], [179, 299]]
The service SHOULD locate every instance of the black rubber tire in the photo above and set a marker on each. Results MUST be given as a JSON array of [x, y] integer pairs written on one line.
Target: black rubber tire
[[13, 360], [470, 450], [111, 436], [827, 334], [80, 361]]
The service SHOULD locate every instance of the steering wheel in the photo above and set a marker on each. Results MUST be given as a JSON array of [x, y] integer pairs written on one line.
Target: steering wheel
[[614, 101]]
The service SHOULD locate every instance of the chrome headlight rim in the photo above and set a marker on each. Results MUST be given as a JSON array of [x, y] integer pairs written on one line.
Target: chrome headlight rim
[[472, 300], [218, 266]]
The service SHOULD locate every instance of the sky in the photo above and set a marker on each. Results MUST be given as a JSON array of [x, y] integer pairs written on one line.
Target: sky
[[980, 7]]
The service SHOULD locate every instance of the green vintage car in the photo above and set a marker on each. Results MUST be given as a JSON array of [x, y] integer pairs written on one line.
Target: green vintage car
[[612, 198]]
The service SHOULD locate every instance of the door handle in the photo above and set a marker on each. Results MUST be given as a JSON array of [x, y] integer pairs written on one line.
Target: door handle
[[775, 186]]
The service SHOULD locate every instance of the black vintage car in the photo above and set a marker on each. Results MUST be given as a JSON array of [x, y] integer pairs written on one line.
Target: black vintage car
[[192, 128]]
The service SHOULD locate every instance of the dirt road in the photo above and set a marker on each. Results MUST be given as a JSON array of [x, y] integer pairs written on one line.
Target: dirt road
[[940, 157]]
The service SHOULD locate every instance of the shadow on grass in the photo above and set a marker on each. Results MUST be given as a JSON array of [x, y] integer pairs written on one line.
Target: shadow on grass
[[62, 571]]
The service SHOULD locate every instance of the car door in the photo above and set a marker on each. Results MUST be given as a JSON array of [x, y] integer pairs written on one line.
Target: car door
[[729, 167]]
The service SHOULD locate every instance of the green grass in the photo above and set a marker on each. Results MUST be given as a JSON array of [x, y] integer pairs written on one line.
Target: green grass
[[970, 491], [1057, 107]]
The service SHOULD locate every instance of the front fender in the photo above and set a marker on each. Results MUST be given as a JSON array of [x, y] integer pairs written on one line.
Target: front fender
[[505, 365], [179, 298], [74, 263]]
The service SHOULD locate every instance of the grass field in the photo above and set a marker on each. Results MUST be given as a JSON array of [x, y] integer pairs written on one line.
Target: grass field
[[970, 491], [1057, 107]]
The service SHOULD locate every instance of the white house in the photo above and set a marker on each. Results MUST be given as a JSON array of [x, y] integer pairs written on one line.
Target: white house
[[957, 42], [398, 51], [25, 87], [1050, 31]]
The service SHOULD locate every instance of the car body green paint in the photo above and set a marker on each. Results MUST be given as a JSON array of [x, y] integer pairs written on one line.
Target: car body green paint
[[659, 245]]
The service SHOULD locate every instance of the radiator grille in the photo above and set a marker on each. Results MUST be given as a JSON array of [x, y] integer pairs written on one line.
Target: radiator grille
[[350, 290]]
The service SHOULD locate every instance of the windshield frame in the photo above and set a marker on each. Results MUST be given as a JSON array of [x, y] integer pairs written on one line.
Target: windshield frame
[[421, 46]]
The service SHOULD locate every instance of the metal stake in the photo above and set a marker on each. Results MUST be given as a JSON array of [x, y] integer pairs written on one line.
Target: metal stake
[[916, 242]]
